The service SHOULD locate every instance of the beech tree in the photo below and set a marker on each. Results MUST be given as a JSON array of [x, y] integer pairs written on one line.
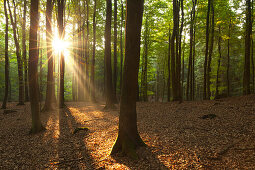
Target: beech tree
[[128, 137], [33, 68], [108, 67], [50, 94], [6, 57]]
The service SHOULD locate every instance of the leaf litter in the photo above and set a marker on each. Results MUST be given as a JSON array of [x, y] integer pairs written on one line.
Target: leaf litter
[[216, 134]]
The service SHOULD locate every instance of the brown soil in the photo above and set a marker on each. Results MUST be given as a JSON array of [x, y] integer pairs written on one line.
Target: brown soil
[[179, 136]]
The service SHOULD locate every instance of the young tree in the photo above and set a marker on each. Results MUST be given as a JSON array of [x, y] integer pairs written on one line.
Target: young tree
[[19, 59], [108, 67], [128, 137], [32, 68], [6, 57], [62, 58], [169, 66], [50, 94]]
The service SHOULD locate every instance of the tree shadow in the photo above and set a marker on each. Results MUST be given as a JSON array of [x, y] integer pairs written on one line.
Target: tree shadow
[[146, 160], [72, 151]]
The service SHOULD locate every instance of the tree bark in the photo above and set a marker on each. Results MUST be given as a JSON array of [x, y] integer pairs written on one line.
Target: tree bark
[[24, 50], [218, 68], [19, 59], [50, 94], [115, 53], [93, 98], [208, 83], [206, 50], [228, 64], [169, 67], [108, 83], [62, 59], [32, 68], [121, 46], [128, 137], [6, 57]]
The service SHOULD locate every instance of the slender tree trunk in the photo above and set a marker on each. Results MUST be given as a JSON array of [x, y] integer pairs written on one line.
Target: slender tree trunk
[[50, 94], [87, 51], [183, 65], [121, 46], [128, 137], [62, 59], [108, 83], [6, 57], [228, 64], [93, 55], [218, 68], [19, 59], [206, 50], [24, 50], [115, 53], [174, 53], [169, 67], [32, 68], [248, 32], [252, 59], [210, 54], [145, 62]]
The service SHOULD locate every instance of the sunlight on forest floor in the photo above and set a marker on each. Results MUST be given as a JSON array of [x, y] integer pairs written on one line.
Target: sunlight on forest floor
[[176, 135]]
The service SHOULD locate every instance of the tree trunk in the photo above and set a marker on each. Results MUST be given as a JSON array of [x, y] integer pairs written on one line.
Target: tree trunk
[[32, 68], [128, 137], [108, 83], [115, 52], [19, 59], [228, 64], [50, 94], [87, 51], [208, 83], [93, 55], [206, 50], [24, 53], [218, 68], [6, 57], [169, 67], [121, 46], [62, 59], [145, 62]]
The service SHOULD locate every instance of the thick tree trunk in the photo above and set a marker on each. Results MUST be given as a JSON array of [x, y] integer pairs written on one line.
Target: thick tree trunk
[[50, 94], [32, 68], [19, 59], [62, 59], [218, 68], [6, 57], [128, 137], [92, 81], [108, 83], [206, 50]]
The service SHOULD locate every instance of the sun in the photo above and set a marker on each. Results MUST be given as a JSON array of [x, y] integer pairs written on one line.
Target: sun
[[59, 45]]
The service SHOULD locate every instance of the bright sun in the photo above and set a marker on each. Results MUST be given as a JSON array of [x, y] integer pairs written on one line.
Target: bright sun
[[59, 45]]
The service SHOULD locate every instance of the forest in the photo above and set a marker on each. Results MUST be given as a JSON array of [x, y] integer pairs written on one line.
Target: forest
[[135, 84]]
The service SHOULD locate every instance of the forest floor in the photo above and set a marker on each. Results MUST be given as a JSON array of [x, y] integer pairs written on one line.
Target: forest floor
[[218, 134]]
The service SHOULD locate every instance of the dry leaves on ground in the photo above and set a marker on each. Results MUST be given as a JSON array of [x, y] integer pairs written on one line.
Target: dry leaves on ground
[[179, 136]]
